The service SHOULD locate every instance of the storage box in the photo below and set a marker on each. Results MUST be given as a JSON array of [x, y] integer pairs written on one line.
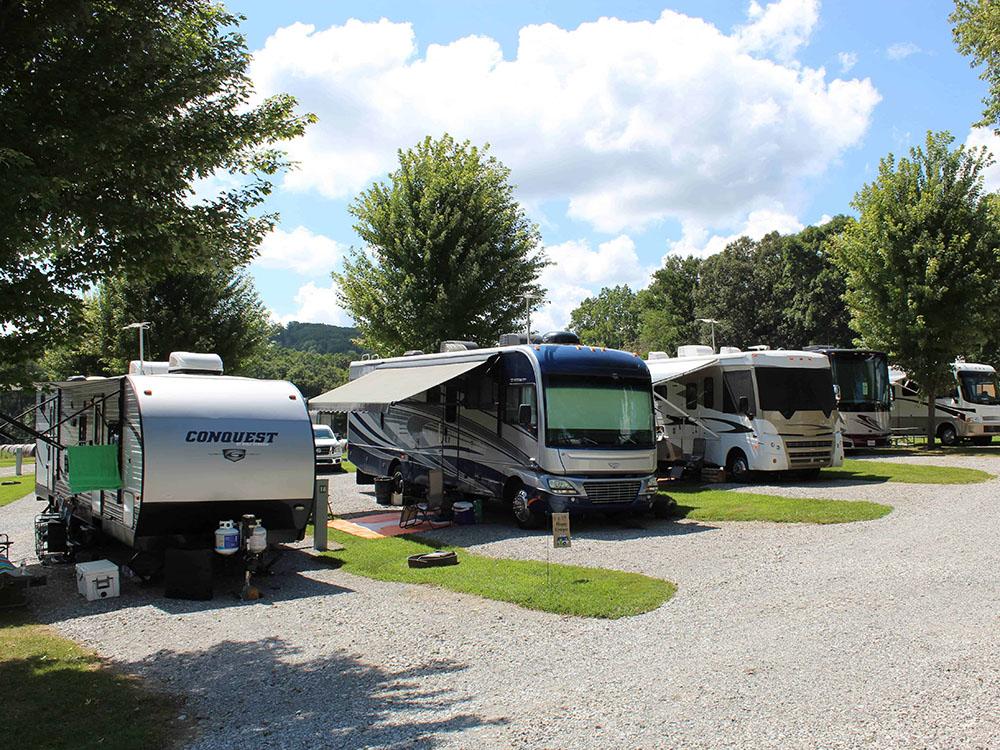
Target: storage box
[[97, 579]]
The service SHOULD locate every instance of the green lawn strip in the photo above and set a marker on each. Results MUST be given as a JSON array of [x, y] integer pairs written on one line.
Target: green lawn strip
[[7, 460], [884, 471], [40, 670], [705, 504], [21, 486], [348, 466], [549, 587]]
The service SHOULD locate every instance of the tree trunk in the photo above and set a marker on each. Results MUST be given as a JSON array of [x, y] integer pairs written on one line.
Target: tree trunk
[[930, 421]]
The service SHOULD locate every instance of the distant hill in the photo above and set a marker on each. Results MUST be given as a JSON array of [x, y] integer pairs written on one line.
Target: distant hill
[[316, 337]]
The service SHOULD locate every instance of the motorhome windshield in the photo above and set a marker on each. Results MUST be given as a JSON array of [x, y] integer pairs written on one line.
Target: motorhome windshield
[[863, 378], [980, 387], [791, 389], [598, 413]]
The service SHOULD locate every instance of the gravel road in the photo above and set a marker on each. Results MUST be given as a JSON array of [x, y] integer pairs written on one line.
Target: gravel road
[[880, 634]]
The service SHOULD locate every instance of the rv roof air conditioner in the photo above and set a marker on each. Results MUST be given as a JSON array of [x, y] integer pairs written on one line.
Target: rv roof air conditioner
[[729, 350], [199, 363], [148, 368], [694, 350], [657, 355], [515, 339], [413, 352], [759, 348], [458, 346], [560, 337]]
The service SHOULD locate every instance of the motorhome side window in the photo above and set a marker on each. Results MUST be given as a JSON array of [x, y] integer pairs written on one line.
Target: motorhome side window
[[735, 385], [519, 389], [691, 395], [709, 392]]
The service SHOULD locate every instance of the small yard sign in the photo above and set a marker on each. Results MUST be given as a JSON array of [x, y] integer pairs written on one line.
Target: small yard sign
[[560, 530]]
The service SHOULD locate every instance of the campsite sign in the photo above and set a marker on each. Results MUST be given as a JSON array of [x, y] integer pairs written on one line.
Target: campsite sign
[[560, 530]]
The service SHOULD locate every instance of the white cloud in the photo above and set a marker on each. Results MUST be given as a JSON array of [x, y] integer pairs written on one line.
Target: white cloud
[[979, 137], [697, 240], [847, 61], [901, 50], [317, 304], [300, 251], [824, 219], [578, 272], [630, 122]]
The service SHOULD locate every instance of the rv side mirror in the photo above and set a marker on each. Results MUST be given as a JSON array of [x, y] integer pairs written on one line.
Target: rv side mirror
[[524, 415], [744, 406]]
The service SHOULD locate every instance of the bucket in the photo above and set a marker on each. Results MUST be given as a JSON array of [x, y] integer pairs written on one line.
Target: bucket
[[464, 513], [383, 490]]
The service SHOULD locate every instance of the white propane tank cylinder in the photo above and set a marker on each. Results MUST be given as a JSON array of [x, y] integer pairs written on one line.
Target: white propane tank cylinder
[[227, 538], [258, 540]]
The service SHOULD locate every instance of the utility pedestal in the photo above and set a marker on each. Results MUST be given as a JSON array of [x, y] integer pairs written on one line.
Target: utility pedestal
[[321, 496]]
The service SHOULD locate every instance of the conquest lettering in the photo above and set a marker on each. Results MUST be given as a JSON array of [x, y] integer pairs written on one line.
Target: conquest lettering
[[214, 436], [191, 436]]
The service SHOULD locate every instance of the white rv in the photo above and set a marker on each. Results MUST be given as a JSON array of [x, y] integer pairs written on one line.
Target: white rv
[[191, 448], [748, 411], [969, 410], [546, 427], [861, 379]]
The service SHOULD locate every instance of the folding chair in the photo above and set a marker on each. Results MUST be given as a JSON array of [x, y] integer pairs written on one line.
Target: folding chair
[[430, 511]]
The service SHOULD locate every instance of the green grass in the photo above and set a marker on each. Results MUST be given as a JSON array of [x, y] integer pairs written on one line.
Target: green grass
[[43, 674], [557, 588], [8, 460], [883, 471], [21, 487], [347, 466], [705, 504]]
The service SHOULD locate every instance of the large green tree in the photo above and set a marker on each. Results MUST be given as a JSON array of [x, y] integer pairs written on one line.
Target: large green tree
[[449, 252], [667, 306], [977, 34], [311, 372], [609, 319], [922, 259], [214, 311], [110, 111]]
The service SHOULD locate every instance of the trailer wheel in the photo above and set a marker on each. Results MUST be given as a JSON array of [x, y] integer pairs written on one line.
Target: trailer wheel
[[525, 516], [737, 466], [947, 435]]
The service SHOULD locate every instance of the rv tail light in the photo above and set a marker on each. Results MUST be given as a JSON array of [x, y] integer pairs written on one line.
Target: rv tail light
[[148, 392], [291, 396]]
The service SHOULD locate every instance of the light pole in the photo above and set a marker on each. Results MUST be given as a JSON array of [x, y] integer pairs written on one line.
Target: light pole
[[712, 321], [140, 327], [528, 299]]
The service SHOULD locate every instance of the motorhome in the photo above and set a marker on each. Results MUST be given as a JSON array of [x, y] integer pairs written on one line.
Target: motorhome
[[183, 450], [861, 380], [969, 410], [542, 427], [748, 411]]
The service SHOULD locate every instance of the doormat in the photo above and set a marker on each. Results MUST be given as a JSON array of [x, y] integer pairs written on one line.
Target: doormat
[[377, 526]]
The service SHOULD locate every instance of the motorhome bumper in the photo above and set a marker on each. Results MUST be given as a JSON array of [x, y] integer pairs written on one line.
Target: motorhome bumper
[[582, 494]]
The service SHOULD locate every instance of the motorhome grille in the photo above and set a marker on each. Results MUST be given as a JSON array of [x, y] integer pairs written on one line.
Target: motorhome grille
[[809, 457], [612, 492], [991, 428], [809, 443]]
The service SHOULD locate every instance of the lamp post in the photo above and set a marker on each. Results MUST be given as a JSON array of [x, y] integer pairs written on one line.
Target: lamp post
[[140, 327], [712, 321], [528, 299]]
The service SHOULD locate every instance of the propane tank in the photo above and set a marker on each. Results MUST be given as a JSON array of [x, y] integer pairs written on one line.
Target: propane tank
[[257, 542], [227, 538]]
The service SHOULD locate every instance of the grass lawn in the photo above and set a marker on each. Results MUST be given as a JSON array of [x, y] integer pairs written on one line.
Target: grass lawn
[[882, 471], [44, 674], [21, 487], [8, 460], [347, 466], [705, 504], [561, 589]]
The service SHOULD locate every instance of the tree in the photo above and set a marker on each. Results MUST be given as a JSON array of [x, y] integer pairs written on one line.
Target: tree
[[977, 34], [610, 319], [110, 110], [210, 312], [310, 372], [450, 254], [922, 259], [666, 306]]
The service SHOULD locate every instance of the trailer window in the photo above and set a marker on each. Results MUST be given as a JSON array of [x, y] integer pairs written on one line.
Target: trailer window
[[735, 384]]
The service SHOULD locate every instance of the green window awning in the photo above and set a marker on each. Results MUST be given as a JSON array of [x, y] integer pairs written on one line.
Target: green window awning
[[93, 467]]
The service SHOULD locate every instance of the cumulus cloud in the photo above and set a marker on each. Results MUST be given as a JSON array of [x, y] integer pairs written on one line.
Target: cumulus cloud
[[629, 122], [300, 251], [316, 304], [847, 61], [697, 240], [979, 137], [901, 50]]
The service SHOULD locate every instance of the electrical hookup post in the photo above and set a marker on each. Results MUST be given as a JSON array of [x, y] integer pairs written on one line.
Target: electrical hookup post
[[321, 498], [560, 540]]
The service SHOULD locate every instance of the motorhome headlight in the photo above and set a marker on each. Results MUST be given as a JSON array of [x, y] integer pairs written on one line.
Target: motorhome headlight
[[975, 419], [652, 485], [561, 486]]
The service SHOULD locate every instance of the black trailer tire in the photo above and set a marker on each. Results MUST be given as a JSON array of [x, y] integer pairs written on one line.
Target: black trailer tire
[[737, 466], [947, 435]]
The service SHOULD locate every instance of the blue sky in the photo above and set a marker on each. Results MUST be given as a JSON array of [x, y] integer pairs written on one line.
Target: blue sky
[[671, 129]]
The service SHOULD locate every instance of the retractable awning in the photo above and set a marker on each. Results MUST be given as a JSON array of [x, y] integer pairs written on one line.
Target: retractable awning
[[663, 370], [389, 385]]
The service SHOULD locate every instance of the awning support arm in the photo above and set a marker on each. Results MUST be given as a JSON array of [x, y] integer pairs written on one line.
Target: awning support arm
[[30, 430], [684, 414]]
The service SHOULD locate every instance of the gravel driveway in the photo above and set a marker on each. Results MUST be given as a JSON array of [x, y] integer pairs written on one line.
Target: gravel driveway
[[876, 634]]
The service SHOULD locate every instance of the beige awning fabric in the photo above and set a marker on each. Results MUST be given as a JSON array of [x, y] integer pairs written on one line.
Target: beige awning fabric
[[389, 385], [663, 370]]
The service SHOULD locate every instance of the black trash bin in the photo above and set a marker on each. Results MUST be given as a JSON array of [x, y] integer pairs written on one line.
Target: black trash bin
[[383, 490]]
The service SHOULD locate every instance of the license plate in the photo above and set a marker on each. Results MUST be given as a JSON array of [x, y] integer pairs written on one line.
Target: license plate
[[871, 443]]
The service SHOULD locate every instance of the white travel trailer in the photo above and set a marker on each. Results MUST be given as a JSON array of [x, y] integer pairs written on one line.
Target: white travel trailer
[[748, 411], [184, 451], [861, 377], [543, 428], [970, 410]]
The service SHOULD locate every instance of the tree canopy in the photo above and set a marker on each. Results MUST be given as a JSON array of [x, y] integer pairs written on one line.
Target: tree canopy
[[922, 260], [610, 319], [316, 337], [449, 252], [977, 35], [110, 112]]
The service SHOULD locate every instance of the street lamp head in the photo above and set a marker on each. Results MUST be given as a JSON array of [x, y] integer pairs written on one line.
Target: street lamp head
[[143, 325]]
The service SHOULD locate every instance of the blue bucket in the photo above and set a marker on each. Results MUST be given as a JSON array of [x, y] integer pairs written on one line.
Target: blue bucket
[[464, 512]]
